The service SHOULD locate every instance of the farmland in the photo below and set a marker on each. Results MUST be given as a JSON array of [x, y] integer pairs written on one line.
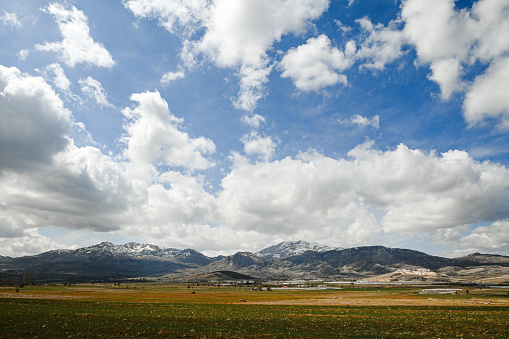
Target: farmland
[[176, 311]]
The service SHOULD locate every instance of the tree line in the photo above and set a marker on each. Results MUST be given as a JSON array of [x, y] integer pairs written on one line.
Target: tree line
[[18, 279]]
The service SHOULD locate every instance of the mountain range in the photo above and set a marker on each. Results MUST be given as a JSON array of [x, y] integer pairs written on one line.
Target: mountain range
[[287, 260]]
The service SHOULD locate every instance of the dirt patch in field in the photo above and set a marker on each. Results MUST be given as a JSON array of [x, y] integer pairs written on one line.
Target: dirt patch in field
[[390, 300], [20, 295]]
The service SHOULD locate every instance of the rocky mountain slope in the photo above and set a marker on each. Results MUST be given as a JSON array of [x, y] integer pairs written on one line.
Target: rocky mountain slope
[[288, 260], [105, 261], [291, 248]]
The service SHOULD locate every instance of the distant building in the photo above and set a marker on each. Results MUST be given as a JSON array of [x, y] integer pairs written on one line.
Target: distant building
[[441, 291]]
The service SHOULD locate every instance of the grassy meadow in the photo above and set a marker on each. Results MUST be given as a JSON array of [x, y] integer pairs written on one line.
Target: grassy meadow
[[176, 311]]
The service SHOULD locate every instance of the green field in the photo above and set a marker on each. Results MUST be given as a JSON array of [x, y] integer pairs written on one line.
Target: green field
[[86, 311]]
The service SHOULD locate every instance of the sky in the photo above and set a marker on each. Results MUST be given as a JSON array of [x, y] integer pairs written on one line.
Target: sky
[[233, 125]]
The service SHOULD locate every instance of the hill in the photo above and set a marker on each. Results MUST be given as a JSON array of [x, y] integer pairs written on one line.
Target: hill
[[217, 276]]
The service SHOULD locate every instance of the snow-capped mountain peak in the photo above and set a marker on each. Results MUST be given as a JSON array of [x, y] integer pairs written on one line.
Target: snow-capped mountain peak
[[287, 249]]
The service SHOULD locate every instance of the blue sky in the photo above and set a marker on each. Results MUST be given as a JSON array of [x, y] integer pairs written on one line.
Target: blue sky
[[227, 125]]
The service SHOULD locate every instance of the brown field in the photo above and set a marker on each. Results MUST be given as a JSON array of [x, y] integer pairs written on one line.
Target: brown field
[[362, 296], [176, 311]]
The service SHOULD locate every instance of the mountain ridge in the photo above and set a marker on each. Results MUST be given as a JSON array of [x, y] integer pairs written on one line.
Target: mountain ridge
[[286, 260], [287, 249]]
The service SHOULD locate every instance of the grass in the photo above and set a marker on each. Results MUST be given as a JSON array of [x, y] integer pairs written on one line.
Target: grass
[[175, 312]]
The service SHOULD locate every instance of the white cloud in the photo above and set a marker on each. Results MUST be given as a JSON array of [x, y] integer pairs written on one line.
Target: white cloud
[[342, 27], [80, 189], [382, 45], [316, 64], [442, 38], [29, 242], [11, 20], [94, 90], [359, 120], [55, 73], [252, 87], [33, 121], [447, 73], [176, 16], [186, 203], [492, 25], [153, 136], [437, 30], [263, 147], [395, 191], [487, 97], [23, 54], [210, 240], [295, 198], [44, 178], [489, 238], [172, 76], [237, 33], [77, 45], [254, 121], [450, 41], [433, 191], [240, 32]]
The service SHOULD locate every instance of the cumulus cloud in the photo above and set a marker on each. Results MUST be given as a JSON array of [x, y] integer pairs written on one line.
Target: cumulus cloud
[[28, 242], [489, 238], [237, 34], [436, 29], [154, 136], [382, 45], [10, 19], [252, 87], [450, 41], [447, 74], [308, 197], [172, 76], [359, 120], [487, 97], [262, 147], [44, 178], [395, 191], [434, 191], [210, 240], [317, 64], [240, 32], [186, 203], [77, 45], [82, 189], [33, 121], [93, 89]]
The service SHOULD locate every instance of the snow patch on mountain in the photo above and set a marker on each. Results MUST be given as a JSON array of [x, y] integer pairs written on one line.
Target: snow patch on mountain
[[131, 250], [287, 249]]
